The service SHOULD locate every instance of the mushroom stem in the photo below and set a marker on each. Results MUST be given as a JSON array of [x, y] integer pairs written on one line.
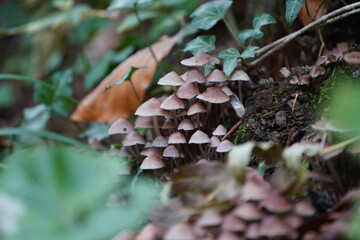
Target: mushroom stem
[[202, 151], [175, 118], [156, 125], [240, 94]]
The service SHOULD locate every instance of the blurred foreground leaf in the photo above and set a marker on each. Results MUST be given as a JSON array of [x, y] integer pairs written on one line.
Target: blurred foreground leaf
[[63, 195]]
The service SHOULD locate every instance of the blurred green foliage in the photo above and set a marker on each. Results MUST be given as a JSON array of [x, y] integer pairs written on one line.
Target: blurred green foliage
[[61, 193]]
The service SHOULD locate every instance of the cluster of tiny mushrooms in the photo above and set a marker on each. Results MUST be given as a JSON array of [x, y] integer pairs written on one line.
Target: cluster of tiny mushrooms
[[185, 125]]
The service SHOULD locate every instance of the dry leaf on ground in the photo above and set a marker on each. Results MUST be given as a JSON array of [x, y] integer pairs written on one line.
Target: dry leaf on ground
[[120, 101]]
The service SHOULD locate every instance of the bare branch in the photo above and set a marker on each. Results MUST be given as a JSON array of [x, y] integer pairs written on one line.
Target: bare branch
[[322, 21]]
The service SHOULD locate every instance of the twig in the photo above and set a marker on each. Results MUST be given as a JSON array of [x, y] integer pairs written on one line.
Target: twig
[[324, 20], [232, 130], [147, 40]]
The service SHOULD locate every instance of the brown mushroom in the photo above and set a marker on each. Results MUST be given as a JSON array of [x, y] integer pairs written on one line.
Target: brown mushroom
[[200, 59]]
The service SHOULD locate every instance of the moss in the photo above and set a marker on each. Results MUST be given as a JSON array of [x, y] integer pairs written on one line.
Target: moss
[[277, 92], [240, 133]]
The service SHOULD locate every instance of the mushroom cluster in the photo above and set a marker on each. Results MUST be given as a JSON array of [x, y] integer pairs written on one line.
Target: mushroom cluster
[[259, 212], [185, 126]]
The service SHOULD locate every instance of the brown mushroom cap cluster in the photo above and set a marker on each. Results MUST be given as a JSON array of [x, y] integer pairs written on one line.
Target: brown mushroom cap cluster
[[258, 212], [184, 126]]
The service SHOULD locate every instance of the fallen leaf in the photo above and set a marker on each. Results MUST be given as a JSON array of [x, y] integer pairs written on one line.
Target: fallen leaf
[[314, 7], [120, 101]]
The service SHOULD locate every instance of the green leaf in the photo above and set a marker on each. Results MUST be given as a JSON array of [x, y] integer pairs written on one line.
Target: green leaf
[[42, 134], [6, 96], [47, 85], [72, 16], [102, 67], [130, 22], [230, 57], [262, 19], [65, 194], [250, 33], [292, 9], [126, 77], [209, 13], [201, 44], [249, 52], [128, 4], [54, 97]]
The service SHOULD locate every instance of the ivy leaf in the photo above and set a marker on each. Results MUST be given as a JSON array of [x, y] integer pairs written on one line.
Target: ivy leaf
[[292, 9], [230, 57], [125, 77], [262, 19], [249, 52], [57, 95], [201, 44], [209, 13], [128, 4], [250, 33]]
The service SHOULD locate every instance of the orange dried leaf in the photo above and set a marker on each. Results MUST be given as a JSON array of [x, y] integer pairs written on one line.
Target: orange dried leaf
[[120, 101]]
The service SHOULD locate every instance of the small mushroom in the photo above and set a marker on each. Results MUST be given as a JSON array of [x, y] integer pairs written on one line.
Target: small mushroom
[[352, 57], [151, 108], [153, 161], [194, 75], [224, 146], [160, 142], [247, 211], [216, 76], [199, 138], [171, 79], [209, 218], [188, 91], [239, 76], [120, 126], [180, 231], [200, 59], [186, 125], [220, 130], [316, 71]]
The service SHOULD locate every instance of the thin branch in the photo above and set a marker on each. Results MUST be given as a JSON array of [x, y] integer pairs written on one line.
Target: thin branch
[[324, 20]]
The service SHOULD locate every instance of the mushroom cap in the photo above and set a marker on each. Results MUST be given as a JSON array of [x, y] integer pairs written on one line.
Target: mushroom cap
[[180, 231], [209, 218], [220, 130], [255, 191], [146, 122], [213, 95], [352, 57], [168, 124], [159, 141], [272, 227], [196, 108], [186, 125], [304, 208], [171, 151], [132, 139], [214, 142], [224, 146], [247, 211], [276, 203], [252, 231], [150, 231], [216, 76], [177, 138], [120, 126], [171, 79], [200, 59], [199, 137], [150, 151], [194, 75], [152, 162], [149, 108], [172, 103], [227, 90], [188, 91], [239, 75], [316, 71], [232, 224]]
